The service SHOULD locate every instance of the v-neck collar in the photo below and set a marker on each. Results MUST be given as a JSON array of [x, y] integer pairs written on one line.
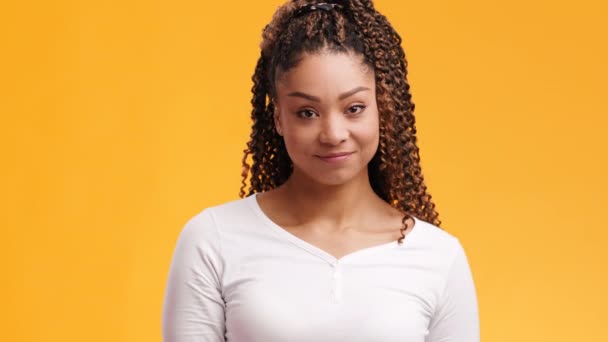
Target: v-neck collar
[[309, 247]]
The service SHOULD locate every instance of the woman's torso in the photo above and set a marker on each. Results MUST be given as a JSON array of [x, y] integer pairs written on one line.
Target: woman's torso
[[278, 287]]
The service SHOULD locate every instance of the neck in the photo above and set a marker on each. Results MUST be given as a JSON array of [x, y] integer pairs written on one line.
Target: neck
[[339, 206]]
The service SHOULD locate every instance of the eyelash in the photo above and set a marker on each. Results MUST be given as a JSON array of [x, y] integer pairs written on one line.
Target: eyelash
[[299, 114]]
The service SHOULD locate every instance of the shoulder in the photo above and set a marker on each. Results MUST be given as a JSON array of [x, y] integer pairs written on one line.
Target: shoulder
[[441, 245], [432, 235], [455, 312], [231, 209], [208, 221]]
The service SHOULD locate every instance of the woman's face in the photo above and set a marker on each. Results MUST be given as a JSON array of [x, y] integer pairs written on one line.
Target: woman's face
[[326, 111]]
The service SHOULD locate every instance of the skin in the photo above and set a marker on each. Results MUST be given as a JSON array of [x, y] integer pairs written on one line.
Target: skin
[[327, 104]]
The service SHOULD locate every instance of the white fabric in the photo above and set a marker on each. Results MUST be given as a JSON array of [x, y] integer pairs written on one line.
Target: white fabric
[[237, 276]]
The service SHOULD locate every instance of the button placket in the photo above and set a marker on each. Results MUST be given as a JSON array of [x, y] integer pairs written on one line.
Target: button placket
[[337, 282]]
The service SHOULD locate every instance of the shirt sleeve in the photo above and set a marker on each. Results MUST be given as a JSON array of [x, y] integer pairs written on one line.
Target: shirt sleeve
[[456, 318], [193, 307]]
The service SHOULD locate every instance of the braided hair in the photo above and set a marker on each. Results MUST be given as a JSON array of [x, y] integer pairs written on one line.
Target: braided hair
[[349, 26]]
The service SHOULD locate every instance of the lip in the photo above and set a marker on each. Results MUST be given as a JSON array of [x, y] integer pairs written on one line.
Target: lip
[[335, 157]]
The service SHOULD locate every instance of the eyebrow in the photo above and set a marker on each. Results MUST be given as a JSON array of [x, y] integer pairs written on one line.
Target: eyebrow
[[316, 99]]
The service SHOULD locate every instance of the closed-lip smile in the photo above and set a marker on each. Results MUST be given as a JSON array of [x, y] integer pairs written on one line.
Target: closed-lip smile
[[333, 155]]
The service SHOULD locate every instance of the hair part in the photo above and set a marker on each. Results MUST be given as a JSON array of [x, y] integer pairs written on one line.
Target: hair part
[[354, 27]]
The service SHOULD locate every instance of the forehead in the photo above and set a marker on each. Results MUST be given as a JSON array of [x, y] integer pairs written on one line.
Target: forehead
[[325, 71]]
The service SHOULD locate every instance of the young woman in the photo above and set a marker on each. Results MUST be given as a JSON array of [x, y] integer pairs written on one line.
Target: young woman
[[337, 238]]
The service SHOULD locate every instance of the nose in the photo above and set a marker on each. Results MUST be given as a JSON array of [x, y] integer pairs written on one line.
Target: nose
[[334, 130]]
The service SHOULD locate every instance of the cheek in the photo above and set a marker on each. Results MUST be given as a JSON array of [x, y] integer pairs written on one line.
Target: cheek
[[369, 132], [298, 140], [371, 129], [369, 139]]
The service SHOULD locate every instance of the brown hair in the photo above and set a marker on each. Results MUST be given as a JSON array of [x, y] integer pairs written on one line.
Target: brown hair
[[354, 26]]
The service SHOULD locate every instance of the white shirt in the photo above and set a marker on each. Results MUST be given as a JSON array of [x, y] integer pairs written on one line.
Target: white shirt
[[237, 276]]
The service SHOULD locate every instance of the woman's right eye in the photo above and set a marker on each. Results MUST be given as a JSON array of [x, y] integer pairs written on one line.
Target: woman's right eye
[[306, 114]]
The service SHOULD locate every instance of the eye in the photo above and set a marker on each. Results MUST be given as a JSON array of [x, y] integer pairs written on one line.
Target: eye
[[356, 109], [306, 114]]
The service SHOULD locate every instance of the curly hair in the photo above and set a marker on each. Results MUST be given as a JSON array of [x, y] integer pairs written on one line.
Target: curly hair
[[351, 26]]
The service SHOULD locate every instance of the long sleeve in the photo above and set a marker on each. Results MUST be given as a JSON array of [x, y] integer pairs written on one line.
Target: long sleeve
[[456, 318], [193, 307]]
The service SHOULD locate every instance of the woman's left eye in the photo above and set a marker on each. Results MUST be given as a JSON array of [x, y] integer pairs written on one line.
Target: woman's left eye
[[356, 109]]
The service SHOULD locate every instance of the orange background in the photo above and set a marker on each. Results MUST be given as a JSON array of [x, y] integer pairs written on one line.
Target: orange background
[[122, 119]]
